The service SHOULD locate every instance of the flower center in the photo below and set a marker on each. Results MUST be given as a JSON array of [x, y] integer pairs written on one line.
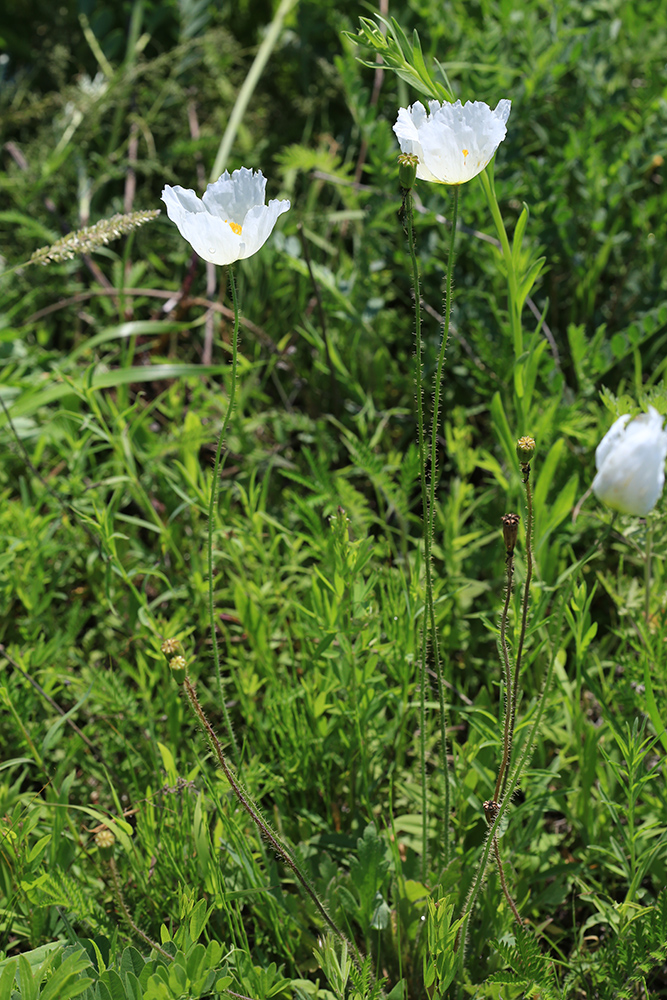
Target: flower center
[[465, 154], [234, 226]]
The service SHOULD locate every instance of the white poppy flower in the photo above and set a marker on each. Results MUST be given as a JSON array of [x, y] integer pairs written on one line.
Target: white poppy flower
[[454, 142], [231, 221], [631, 463]]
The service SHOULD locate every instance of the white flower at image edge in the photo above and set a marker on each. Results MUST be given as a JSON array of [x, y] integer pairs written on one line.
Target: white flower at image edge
[[453, 142], [231, 221], [630, 460]]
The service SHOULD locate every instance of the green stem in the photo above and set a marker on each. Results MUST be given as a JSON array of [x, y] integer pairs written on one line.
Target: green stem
[[486, 178], [431, 516], [211, 519], [647, 568], [507, 729], [503, 883], [524, 609], [407, 203]]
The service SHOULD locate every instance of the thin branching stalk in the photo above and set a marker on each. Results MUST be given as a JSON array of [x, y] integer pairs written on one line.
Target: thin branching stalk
[[211, 521], [407, 207], [127, 916], [267, 832]]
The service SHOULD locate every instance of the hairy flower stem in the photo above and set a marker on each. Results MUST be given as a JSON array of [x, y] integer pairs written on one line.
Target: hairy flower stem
[[127, 915], [501, 873], [274, 840], [407, 206], [428, 508], [431, 516], [211, 520], [507, 729], [647, 569], [525, 469]]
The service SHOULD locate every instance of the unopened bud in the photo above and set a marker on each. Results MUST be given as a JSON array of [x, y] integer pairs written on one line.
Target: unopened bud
[[170, 646], [407, 170], [178, 665], [525, 449], [510, 531]]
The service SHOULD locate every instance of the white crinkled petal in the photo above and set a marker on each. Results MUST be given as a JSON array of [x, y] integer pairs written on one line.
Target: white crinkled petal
[[502, 110], [232, 197], [610, 440], [231, 221], [453, 142], [406, 128], [258, 225], [210, 237], [180, 200], [631, 463]]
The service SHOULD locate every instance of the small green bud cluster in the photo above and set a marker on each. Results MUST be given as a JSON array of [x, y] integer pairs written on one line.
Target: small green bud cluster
[[407, 170], [177, 663]]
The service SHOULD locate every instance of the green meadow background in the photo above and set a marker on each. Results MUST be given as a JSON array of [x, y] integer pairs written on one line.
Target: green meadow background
[[115, 372]]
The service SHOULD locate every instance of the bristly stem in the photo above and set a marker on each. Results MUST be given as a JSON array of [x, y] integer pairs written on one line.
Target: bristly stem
[[407, 208], [647, 569], [525, 469], [431, 516], [499, 808], [274, 840], [501, 873], [127, 916], [510, 526], [211, 520]]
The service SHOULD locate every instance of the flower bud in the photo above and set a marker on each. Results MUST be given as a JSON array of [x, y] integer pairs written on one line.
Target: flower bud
[[510, 531], [170, 646], [407, 170], [178, 665], [104, 841], [525, 449]]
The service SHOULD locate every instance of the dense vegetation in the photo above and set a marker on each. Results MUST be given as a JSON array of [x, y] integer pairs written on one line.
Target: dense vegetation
[[115, 377]]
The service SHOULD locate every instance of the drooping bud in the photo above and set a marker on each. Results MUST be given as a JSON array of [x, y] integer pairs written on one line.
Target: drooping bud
[[490, 810], [178, 665], [407, 170], [510, 531], [525, 449], [104, 841]]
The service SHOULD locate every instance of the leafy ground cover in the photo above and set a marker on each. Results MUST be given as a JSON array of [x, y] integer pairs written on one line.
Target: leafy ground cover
[[115, 381]]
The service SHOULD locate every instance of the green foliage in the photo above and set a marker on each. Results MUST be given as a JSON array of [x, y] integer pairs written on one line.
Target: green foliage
[[114, 369]]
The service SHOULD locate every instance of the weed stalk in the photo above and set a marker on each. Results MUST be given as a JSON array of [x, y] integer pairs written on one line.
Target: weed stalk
[[178, 668]]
